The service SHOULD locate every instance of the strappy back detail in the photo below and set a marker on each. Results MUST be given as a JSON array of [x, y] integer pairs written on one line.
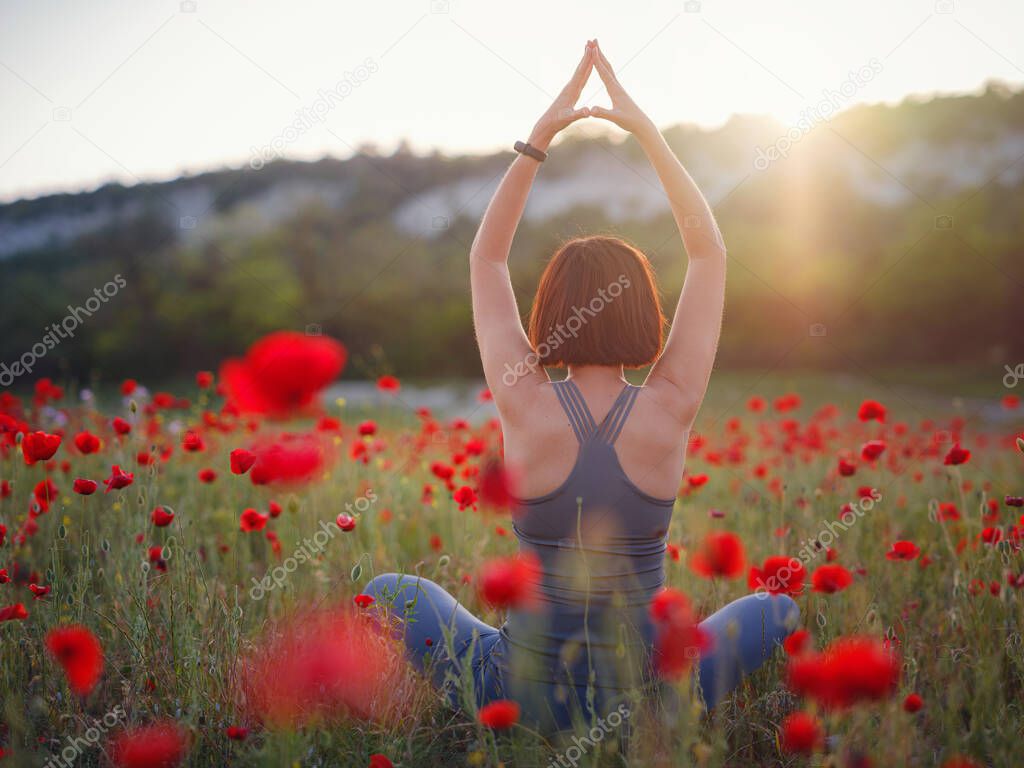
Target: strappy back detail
[[582, 421]]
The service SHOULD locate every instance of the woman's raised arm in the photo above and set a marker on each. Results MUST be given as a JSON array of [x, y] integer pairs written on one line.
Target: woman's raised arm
[[504, 348], [684, 368]]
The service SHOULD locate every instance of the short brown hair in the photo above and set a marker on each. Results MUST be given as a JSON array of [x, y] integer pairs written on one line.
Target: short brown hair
[[597, 304]]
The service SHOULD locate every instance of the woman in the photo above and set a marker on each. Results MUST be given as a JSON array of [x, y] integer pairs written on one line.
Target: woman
[[598, 459]]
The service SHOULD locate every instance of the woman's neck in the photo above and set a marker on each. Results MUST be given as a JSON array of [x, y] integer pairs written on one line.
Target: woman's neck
[[596, 374]]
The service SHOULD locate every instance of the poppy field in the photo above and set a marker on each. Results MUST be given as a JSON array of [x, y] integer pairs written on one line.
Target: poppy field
[[181, 575]]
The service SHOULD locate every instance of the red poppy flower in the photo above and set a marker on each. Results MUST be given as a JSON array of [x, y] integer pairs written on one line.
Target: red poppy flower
[[4, 577], [118, 479], [251, 520], [678, 640], [957, 455], [79, 652], [499, 715], [465, 497], [162, 516], [720, 554], [87, 443], [367, 428], [510, 582], [797, 642], [441, 471], [242, 460], [326, 667], [207, 475], [872, 449], [121, 426], [778, 575], [162, 745], [363, 601], [84, 486], [204, 379], [290, 460], [380, 761], [39, 446], [696, 481], [903, 550], [801, 734], [44, 493], [913, 703], [346, 522], [193, 442], [237, 733], [871, 409], [831, 578], [847, 468], [39, 591], [128, 387], [14, 612], [850, 670], [388, 383], [282, 373], [496, 486]]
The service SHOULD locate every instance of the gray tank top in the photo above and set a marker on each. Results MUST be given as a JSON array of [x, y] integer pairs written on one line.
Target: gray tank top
[[600, 541]]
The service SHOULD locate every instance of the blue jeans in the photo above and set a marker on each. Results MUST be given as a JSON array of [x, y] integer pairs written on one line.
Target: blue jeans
[[744, 635]]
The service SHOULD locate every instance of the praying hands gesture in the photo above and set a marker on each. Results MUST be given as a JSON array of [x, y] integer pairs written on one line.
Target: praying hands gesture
[[563, 111]]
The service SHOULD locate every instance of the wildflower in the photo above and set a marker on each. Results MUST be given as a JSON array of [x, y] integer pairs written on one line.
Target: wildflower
[[800, 734], [831, 578], [499, 715], [79, 652], [161, 745], [509, 582], [778, 575], [871, 410], [720, 554], [903, 550], [39, 446]]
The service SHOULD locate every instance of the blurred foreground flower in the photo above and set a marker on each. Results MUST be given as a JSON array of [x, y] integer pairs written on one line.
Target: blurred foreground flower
[[282, 373], [678, 641], [849, 671], [289, 459], [499, 715], [323, 668], [510, 582], [162, 745], [79, 653]]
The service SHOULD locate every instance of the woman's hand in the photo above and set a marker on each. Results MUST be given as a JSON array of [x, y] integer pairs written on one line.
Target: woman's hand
[[624, 112], [562, 111]]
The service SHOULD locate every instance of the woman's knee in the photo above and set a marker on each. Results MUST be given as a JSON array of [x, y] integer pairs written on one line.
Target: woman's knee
[[780, 613]]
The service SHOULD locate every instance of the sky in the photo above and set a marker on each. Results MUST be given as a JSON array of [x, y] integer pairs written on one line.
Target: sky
[[139, 90]]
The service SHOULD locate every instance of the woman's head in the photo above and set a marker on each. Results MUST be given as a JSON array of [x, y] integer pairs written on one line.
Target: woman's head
[[597, 304]]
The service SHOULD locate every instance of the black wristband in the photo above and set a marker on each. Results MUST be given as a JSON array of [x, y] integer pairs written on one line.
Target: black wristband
[[530, 151]]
